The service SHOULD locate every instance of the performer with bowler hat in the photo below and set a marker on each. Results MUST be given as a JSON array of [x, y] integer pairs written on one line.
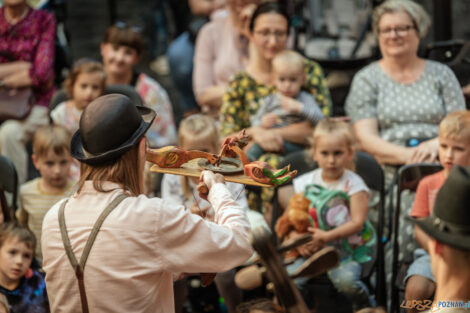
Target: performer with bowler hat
[[109, 248]]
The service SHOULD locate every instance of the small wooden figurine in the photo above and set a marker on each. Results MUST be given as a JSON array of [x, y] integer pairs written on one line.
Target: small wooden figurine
[[172, 156]]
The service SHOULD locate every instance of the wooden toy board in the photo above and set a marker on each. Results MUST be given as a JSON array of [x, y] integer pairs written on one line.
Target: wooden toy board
[[191, 169]]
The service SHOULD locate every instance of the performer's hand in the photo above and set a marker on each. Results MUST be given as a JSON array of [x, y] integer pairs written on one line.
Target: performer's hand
[[206, 181]]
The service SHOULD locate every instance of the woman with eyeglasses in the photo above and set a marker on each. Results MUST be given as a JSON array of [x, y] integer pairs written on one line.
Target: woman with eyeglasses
[[268, 32], [396, 103], [26, 61]]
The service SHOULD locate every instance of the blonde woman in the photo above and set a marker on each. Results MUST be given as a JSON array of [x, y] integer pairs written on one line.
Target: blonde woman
[[396, 103]]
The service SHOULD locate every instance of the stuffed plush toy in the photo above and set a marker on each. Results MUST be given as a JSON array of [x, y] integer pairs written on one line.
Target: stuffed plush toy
[[296, 216]]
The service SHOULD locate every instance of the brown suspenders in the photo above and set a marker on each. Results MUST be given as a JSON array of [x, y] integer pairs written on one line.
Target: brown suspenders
[[80, 267]]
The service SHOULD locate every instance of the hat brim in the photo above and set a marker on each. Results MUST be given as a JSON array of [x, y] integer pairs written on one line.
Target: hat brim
[[459, 241], [78, 152]]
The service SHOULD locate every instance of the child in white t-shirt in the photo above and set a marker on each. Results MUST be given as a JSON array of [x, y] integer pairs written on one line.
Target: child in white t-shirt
[[333, 150]]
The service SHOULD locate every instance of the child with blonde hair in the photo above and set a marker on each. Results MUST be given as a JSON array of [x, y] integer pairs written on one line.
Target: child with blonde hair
[[333, 150], [51, 157], [454, 149], [24, 288], [199, 132], [85, 83], [289, 104]]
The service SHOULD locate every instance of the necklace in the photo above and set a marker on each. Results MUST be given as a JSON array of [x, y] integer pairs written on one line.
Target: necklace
[[14, 21]]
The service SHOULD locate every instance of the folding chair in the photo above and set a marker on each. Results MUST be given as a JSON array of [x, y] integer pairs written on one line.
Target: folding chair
[[408, 178], [372, 174], [9, 181]]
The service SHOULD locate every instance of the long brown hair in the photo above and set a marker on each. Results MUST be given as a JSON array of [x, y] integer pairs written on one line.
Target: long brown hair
[[122, 171]]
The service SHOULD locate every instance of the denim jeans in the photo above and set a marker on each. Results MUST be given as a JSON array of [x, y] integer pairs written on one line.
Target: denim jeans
[[346, 278]]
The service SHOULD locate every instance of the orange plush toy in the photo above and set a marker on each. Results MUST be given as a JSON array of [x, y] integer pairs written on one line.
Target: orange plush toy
[[295, 217]]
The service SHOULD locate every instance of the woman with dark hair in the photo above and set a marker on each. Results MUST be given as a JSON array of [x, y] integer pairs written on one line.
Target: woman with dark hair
[[26, 60], [141, 243], [268, 28]]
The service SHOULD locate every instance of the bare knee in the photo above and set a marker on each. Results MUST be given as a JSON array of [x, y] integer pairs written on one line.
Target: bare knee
[[419, 288]]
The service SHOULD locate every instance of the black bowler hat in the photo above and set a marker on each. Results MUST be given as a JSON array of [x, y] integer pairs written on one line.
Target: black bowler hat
[[109, 126], [450, 221]]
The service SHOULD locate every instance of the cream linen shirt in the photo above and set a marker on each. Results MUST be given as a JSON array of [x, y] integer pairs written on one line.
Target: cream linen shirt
[[140, 246]]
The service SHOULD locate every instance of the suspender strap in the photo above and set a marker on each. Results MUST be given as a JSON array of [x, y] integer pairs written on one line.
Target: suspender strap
[[80, 267]]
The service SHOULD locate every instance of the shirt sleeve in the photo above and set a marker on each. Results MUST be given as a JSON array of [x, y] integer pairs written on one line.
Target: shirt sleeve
[[193, 245], [233, 117], [58, 114], [315, 84], [452, 94], [361, 102], [421, 206], [204, 57], [42, 71], [267, 105], [356, 184], [310, 109]]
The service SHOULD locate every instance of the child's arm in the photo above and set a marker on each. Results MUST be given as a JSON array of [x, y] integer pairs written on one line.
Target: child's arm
[[421, 237], [421, 208], [22, 216], [307, 107], [359, 204], [269, 120]]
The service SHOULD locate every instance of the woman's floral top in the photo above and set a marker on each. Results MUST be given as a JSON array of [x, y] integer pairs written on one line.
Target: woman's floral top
[[243, 97], [32, 40]]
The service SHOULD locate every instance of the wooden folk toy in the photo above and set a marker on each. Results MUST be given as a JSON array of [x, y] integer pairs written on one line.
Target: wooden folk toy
[[231, 160]]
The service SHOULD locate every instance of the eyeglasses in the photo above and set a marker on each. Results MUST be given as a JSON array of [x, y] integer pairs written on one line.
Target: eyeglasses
[[265, 34], [400, 31], [123, 25]]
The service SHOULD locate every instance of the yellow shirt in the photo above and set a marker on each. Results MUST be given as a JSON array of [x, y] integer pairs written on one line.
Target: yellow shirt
[[36, 203]]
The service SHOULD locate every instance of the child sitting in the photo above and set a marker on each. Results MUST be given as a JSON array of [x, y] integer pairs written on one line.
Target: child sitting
[[199, 132], [454, 149], [289, 105], [333, 150], [24, 288], [51, 156], [84, 84]]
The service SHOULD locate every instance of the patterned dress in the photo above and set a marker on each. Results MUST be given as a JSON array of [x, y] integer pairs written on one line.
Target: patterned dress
[[242, 101], [404, 112], [244, 96]]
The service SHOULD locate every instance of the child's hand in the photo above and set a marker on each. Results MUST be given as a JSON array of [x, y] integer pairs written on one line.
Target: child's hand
[[269, 120], [291, 105], [319, 238], [305, 250]]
